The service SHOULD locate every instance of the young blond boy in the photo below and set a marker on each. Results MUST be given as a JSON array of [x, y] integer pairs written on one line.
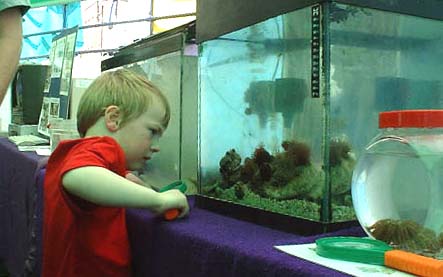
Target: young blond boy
[[84, 232]]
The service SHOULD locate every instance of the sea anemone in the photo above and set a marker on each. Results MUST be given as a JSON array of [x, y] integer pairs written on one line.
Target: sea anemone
[[248, 170], [265, 171], [283, 170], [230, 167], [440, 239], [338, 151], [298, 152], [393, 231], [239, 191], [262, 156], [426, 240]]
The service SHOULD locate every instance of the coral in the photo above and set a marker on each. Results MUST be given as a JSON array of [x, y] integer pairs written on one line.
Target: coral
[[257, 170], [230, 168], [287, 165], [341, 179], [338, 151], [248, 170], [311, 182], [307, 185], [283, 170], [218, 192], [286, 175], [341, 164], [209, 189], [253, 174], [262, 156], [286, 182], [440, 239], [257, 186], [298, 152], [265, 171], [239, 190]]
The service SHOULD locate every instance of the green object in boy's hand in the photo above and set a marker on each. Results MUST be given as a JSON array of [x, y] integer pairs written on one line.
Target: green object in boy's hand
[[181, 186]]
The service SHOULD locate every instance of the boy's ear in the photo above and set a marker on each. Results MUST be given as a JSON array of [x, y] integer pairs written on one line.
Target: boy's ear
[[112, 118]]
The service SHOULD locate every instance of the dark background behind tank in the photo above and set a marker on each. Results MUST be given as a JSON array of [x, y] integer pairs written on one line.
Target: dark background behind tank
[[218, 17]]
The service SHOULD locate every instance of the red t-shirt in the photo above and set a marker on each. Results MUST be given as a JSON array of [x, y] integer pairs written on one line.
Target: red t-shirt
[[79, 237]]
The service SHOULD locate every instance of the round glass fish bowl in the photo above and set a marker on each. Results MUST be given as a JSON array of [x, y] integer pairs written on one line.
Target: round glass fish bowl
[[397, 184]]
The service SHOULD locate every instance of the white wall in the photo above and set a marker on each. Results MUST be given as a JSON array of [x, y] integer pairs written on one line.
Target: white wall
[[5, 112]]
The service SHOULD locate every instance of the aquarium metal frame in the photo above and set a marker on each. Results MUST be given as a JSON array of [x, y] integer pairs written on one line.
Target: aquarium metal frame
[[153, 46], [295, 224], [282, 222], [218, 17], [179, 39]]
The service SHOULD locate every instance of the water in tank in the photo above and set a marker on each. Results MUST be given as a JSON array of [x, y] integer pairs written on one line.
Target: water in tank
[[288, 104]]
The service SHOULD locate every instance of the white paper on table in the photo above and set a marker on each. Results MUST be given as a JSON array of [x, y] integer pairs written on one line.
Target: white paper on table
[[307, 252], [41, 150]]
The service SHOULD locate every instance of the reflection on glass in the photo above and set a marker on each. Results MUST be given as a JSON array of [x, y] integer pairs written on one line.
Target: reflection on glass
[[267, 142], [175, 75]]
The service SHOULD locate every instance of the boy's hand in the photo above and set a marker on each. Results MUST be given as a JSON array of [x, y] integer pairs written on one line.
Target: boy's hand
[[174, 199]]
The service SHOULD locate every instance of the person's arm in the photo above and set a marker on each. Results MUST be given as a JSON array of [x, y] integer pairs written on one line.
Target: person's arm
[[10, 46], [134, 178], [103, 187]]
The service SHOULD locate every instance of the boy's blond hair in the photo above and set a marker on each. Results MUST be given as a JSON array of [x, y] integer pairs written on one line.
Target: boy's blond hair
[[131, 92]]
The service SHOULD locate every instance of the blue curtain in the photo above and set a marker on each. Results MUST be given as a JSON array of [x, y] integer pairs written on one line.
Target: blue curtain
[[49, 18]]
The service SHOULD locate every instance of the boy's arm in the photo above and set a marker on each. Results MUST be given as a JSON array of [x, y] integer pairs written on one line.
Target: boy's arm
[[103, 187], [134, 178]]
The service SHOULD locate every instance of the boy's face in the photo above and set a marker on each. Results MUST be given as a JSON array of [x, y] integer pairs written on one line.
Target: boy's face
[[137, 136]]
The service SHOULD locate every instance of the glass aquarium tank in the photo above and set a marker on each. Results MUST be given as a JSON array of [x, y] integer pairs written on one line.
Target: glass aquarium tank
[[289, 95], [169, 60]]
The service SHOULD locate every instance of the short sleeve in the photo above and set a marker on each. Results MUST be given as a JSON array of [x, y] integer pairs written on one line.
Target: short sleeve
[[70, 154], [103, 153]]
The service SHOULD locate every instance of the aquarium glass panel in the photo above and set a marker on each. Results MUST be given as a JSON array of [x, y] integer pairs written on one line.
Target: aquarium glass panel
[[189, 123], [261, 131], [165, 72], [380, 61], [267, 140]]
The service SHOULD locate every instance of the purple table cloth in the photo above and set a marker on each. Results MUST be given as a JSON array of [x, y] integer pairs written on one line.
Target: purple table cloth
[[209, 244], [17, 192]]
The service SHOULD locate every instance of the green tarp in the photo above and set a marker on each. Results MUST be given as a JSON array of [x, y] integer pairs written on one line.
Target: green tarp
[[40, 3]]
